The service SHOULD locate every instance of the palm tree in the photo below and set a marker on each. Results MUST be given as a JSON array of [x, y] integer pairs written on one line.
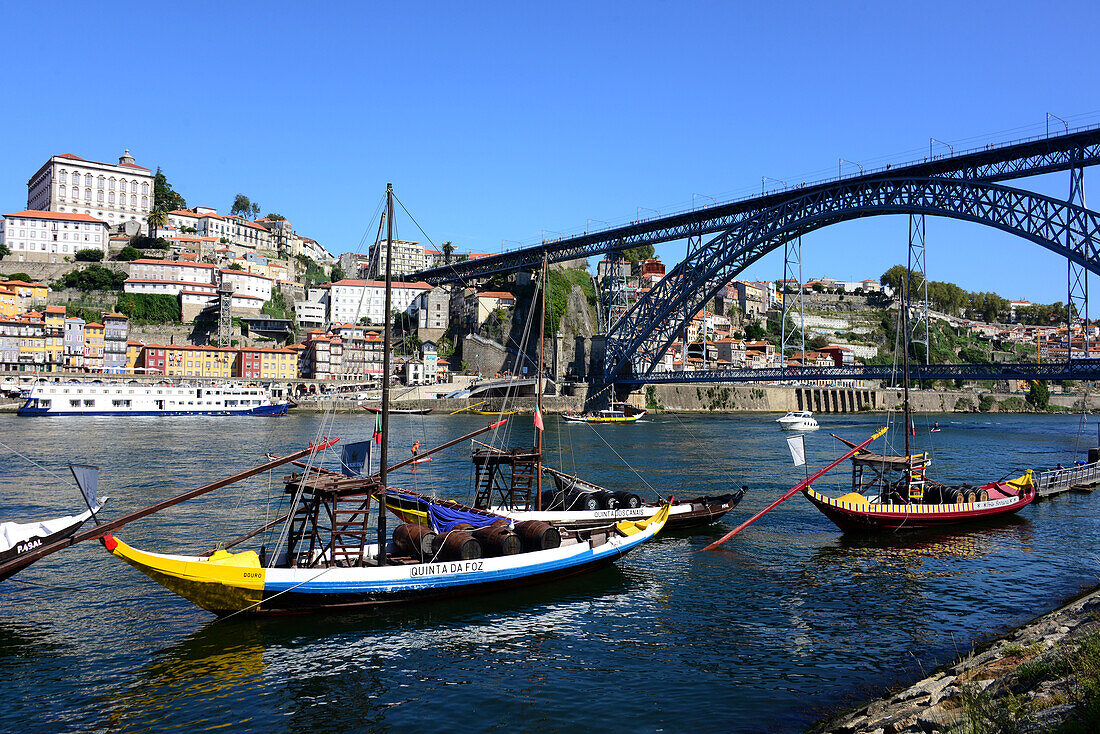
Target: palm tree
[[157, 218], [448, 248]]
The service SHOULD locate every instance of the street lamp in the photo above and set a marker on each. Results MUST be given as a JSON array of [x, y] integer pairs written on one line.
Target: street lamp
[[1059, 119], [933, 140], [763, 179], [845, 160], [704, 196]]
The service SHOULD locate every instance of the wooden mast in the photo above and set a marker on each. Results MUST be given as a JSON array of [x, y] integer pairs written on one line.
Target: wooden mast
[[538, 403], [385, 380], [905, 383]]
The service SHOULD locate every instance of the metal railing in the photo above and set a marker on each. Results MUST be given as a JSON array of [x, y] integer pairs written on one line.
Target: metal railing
[[1063, 480]]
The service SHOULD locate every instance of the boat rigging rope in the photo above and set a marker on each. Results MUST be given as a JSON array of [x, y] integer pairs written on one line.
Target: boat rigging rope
[[68, 480], [276, 595], [628, 465]]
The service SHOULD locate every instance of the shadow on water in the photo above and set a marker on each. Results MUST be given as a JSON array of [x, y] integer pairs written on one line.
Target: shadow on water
[[360, 662]]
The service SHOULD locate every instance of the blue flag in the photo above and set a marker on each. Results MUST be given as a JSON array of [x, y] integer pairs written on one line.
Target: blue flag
[[354, 457]]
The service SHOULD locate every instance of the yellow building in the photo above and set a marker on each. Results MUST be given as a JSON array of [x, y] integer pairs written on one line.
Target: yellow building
[[192, 361], [55, 338], [133, 352], [9, 302], [28, 294], [278, 364], [94, 342]]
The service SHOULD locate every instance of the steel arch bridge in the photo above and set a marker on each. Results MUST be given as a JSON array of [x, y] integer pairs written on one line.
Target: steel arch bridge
[[637, 341]]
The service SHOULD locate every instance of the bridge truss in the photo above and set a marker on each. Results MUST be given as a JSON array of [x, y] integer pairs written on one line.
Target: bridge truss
[[961, 186]]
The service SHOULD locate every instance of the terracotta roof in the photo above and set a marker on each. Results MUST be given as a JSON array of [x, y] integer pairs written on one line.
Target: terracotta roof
[[70, 156], [172, 282], [68, 216], [55, 309], [6, 292], [25, 284], [147, 261], [496, 294], [378, 284], [94, 325]]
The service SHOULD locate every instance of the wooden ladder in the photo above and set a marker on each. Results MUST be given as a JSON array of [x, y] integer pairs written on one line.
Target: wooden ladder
[[917, 464]]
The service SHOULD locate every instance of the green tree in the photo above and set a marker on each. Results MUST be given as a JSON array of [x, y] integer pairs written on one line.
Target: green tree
[[895, 278], [639, 253], [754, 331], [255, 210], [157, 218], [448, 248], [93, 278], [242, 206], [89, 255], [973, 355], [337, 273], [4, 251], [234, 266], [1039, 395], [818, 288], [21, 276], [275, 217], [128, 253], [164, 197]]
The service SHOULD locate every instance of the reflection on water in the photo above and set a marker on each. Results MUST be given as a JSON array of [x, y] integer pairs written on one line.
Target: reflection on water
[[784, 620]]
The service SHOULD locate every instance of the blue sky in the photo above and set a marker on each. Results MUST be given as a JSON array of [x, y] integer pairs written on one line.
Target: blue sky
[[501, 122]]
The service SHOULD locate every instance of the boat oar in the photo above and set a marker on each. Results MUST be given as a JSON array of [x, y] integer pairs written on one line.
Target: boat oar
[[792, 491], [100, 530]]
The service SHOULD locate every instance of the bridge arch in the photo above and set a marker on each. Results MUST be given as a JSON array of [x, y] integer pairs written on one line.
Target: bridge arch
[[639, 339]]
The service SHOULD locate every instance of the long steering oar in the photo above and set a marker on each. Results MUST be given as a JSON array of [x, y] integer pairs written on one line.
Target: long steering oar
[[791, 492]]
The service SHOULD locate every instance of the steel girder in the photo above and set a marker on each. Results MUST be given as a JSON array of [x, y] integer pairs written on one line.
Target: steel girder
[[996, 163], [648, 328], [1078, 369]]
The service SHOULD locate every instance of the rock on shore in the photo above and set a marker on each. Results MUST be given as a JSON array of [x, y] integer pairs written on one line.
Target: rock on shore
[[1042, 677]]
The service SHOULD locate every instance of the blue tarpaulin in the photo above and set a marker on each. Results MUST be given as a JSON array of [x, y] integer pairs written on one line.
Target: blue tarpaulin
[[442, 518]]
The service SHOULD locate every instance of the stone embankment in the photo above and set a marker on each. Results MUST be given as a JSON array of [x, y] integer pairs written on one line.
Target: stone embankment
[[1044, 676], [720, 398]]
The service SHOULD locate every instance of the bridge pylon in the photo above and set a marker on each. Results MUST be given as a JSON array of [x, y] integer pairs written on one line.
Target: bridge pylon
[[1077, 299], [792, 270], [918, 317]]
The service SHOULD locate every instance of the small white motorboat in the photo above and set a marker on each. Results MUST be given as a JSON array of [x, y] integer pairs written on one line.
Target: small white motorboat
[[797, 420]]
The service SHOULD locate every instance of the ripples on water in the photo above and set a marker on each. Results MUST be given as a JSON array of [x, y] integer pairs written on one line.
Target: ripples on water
[[783, 623]]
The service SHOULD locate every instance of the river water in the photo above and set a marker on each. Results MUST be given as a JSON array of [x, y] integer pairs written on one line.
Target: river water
[[785, 623]]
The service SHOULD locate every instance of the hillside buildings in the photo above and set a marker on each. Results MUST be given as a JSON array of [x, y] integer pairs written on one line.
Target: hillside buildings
[[44, 236], [110, 192]]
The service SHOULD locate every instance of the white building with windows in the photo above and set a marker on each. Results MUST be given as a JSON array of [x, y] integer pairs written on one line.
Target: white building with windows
[[408, 257], [196, 283], [41, 236], [352, 300], [113, 193]]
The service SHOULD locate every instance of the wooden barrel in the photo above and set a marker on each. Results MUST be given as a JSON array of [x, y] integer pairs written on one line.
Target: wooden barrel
[[498, 540], [463, 526], [983, 495], [456, 545], [536, 535], [414, 540]]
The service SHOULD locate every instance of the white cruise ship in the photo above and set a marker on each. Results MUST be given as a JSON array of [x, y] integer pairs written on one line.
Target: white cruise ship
[[92, 398]]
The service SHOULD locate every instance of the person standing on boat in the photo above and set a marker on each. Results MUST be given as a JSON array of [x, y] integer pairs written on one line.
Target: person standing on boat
[[416, 449]]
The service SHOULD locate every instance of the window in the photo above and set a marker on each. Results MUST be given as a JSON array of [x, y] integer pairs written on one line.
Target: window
[[87, 179], [133, 186], [145, 202], [62, 177], [99, 196], [61, 191], [145, 188], [111, 184], [87, 194], [100, 181], [133, 200], [111, 197]]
